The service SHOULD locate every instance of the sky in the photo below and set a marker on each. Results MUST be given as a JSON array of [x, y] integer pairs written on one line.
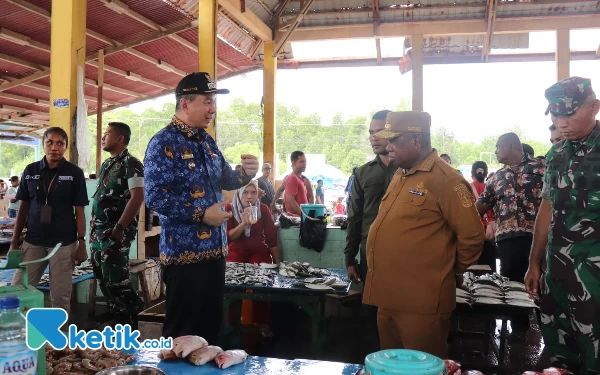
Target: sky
[[471, 100]]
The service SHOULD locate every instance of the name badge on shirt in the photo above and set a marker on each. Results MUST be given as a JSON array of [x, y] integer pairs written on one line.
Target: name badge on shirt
[[416, 192]]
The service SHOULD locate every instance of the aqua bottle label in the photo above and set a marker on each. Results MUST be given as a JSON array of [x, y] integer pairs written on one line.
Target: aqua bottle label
[[22, 363]]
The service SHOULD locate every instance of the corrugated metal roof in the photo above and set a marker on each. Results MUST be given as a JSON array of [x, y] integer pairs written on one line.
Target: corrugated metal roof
[[238, 37], [259, 8]]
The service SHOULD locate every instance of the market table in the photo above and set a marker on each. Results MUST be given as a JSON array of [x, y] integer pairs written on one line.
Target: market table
[[253, 365], [489, 313], [7, 275], [310, 300]]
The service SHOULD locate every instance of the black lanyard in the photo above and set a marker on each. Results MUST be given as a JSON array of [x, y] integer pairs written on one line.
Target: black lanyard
[[47, 190]]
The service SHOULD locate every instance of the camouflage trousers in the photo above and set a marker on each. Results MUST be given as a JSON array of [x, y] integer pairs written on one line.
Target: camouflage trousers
[[571, 324], [110, 261]]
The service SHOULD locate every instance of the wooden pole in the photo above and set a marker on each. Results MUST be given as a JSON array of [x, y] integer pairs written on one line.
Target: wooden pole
[[417, 71], [99, 112], [563, 54]]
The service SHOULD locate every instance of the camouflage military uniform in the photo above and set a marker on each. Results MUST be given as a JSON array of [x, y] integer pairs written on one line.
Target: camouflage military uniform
[[570, 302], [110, 258]]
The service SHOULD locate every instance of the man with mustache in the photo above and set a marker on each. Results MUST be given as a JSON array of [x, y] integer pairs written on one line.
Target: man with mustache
[[567, 231]]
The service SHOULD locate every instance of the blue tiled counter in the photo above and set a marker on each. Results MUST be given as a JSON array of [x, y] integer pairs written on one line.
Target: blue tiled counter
[[332, 255], [252, 366]]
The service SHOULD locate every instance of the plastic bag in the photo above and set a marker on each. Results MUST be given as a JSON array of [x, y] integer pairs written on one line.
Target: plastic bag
[[452, 367], [313, 232]]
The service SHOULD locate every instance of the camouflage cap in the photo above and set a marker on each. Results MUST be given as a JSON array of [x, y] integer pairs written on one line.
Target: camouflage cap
[[565, 96], [398, 123]]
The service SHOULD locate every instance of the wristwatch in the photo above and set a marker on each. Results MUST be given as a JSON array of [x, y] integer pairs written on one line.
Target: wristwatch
[[81, 238], [119, 227]]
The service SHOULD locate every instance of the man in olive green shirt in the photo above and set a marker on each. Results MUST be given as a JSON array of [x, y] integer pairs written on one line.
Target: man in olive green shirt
[[370, 184]]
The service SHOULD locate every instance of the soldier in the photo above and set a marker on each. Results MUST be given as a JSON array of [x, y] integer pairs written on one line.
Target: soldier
[[568, 227], [118, 198], [426, 232]]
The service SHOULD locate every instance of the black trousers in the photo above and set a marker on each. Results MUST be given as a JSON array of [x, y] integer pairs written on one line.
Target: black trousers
[[371, 338], [514, 261], [194, 299], [488, 255]]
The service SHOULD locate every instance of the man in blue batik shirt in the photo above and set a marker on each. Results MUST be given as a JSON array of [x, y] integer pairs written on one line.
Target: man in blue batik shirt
[[185, 174]]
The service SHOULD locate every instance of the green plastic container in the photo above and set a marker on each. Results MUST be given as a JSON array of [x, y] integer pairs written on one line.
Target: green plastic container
[[403, 362], [29, 296]]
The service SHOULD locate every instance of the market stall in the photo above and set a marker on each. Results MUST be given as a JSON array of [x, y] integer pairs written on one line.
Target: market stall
[[285, 287]]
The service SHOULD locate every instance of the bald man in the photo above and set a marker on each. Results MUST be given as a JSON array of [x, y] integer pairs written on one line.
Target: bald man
[[515, 194]]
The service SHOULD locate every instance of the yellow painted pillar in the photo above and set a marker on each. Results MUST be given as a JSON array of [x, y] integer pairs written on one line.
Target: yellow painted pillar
[[269, 84], [207, 44], [67, 52], [563, 54], [417, 72]]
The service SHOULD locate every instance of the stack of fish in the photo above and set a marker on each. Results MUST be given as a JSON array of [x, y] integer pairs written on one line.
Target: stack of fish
[[301, 269], [78, 271], [248, 274], [492, 289]]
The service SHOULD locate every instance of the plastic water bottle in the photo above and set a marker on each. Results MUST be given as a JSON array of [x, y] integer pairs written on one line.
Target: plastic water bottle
[[15, 356]]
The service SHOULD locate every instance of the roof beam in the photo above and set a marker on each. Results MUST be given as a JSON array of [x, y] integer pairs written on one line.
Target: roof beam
[[46, 48], [6, 107], [37, 86], [109, 51], [248, 19], [491, 19], [446, 28], [21, 62], [168, 92], [130, 75], [24, 120], [121, 8], [115, 89], [467, 58], [46, 14], [115, 46], [281, 41], [24, 99]]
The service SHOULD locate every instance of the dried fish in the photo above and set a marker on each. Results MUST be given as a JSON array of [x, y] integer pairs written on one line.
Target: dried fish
[[319, 287]]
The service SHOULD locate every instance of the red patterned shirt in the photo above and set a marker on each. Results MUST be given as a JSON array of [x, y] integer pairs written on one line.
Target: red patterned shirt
[[515, 194]]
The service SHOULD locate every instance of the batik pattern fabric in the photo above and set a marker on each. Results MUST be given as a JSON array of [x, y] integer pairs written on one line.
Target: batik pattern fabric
[[515, 194], [570, 307], [185, 175]]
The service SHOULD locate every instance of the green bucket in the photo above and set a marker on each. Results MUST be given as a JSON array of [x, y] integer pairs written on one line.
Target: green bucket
[[403, 362]]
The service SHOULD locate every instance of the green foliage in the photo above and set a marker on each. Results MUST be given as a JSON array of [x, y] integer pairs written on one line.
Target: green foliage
[[344, 141], [14, 158]]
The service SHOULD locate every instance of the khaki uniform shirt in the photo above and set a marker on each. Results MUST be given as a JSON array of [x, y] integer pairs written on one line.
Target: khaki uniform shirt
[[427, 231]]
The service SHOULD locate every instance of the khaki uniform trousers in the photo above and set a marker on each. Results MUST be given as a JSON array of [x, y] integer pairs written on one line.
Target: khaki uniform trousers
[[61, 271], [423, 332]]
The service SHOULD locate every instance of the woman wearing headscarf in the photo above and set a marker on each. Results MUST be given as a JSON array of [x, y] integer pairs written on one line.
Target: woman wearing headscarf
[[479, 171], [252, 243]]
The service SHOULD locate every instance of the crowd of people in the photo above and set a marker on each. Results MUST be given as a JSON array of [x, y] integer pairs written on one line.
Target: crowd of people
[[414, 223]]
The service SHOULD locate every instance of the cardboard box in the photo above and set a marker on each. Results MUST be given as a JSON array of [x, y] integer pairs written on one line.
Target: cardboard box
[[152, 274], [150, 321]]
